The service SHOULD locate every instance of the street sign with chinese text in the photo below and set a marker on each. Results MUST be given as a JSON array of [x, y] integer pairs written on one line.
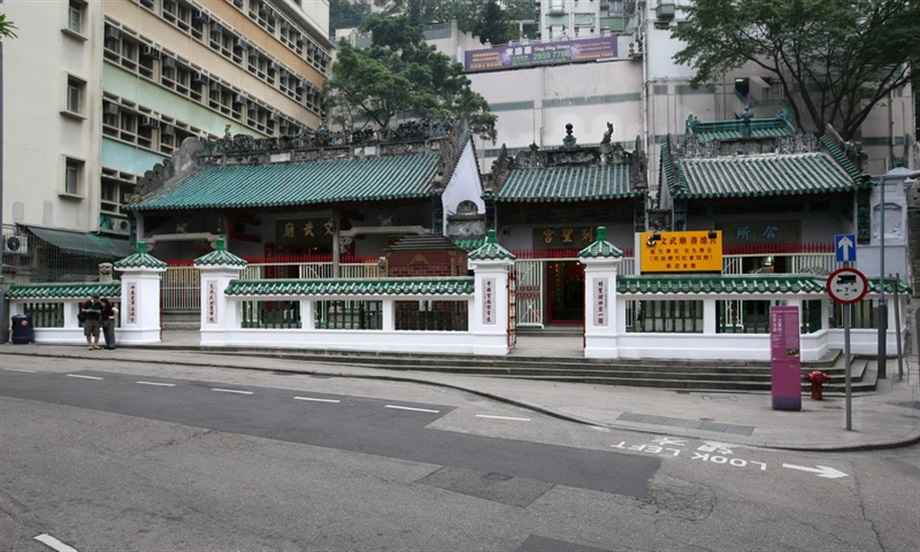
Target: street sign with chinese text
[[304, 232], [690, 251], [564, 237]]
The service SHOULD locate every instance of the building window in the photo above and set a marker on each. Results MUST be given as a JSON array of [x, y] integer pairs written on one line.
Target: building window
[[75, 15], [75, 92], [73, 176]]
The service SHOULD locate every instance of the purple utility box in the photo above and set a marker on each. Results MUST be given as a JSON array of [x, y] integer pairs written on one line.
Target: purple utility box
[[785, 360]]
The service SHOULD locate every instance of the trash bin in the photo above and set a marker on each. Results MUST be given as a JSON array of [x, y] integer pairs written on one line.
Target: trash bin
[[23, 331]]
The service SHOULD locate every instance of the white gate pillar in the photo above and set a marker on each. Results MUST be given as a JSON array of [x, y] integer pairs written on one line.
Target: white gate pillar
[[218, 314], [601, 259], [140, 297], [489, 320]]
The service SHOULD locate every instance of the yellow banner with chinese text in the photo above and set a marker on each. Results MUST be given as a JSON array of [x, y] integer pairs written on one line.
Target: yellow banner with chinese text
[[690, 251]]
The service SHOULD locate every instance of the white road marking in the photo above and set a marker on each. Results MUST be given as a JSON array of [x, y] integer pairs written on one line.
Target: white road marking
[[821, 471], [156, 383], [83, 377], [47, 539], [232, 391], [503, 418], [313, 399], [19, 370], [412, 409]]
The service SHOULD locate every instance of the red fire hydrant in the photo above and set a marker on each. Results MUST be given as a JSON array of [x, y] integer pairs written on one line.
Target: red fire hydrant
[[817, 379]]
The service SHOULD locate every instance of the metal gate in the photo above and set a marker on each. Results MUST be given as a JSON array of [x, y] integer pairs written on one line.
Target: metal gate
[[529, 292]]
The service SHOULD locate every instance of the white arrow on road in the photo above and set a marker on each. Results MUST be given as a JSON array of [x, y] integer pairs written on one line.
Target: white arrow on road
[[821, 471]]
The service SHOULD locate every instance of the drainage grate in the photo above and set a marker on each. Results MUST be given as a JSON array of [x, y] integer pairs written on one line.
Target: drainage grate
[[686, 424]]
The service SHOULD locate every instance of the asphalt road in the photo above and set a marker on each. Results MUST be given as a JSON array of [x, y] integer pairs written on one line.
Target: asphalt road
[[132, 456], [355, 424]]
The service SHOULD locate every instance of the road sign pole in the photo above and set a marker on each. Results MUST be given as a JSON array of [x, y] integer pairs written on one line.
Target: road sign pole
[[847, 313]]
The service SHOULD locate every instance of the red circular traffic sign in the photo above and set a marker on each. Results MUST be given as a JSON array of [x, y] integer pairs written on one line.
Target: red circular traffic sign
[[847, 285]]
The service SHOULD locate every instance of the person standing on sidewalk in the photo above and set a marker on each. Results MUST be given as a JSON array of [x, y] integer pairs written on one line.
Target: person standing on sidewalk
[[109, 317], [92, 312]]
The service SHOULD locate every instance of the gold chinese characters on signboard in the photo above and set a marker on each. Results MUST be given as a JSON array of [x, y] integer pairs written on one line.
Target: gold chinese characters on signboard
[[690, 251]]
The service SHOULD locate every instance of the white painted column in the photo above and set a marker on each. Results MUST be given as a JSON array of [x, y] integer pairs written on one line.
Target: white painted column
[[140, 298], [603, 317], [388, 320], [601, 309], [219, 314], [489, 319], [710, 315]]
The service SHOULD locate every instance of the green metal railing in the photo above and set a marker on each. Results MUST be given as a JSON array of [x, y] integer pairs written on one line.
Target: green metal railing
[[743, 317], [811, 316], [683, 316], [432, 315], [271, 314], [349, 315], [862, 316], [45, 315]]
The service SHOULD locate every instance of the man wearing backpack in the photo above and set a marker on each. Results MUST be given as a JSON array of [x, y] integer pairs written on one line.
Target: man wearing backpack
[[92, 321]]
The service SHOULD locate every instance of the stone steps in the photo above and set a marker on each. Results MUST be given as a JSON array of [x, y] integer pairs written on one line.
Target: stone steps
[[678, 374]]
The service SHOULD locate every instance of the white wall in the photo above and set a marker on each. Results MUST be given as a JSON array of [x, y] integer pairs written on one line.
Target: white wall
[[37, 137]]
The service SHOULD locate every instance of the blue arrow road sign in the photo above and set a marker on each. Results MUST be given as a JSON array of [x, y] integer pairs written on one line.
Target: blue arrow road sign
[[845, 247]]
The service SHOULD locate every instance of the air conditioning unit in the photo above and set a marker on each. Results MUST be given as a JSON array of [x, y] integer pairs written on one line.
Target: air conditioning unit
[[111, 109], [199, 79], [15, 244], [149, 122], [150, 52], [121, 226], [200, 16], [168, 130], [666, 12]]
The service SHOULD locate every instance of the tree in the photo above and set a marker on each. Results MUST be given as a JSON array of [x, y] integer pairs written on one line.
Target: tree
[[484, 18], [7, 27], [492, 25], [401, 74], [837, 58], [344, 14]]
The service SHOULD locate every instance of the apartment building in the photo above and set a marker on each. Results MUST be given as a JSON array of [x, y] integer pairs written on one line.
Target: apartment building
[[97, 93], [600, 62]]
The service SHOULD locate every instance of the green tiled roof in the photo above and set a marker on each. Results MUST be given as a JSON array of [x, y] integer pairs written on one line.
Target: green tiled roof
[[569, 183], [842, 160], [141, 259], [491, 250], [69, 290], [760, 176], [220, 257], [601, 248], [469, 244], [358, 287], [759, 284], [734, 130], [293, 184], [741, 284]]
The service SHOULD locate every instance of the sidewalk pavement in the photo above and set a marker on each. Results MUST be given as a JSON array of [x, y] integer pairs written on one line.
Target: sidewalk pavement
[[889, 417]]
